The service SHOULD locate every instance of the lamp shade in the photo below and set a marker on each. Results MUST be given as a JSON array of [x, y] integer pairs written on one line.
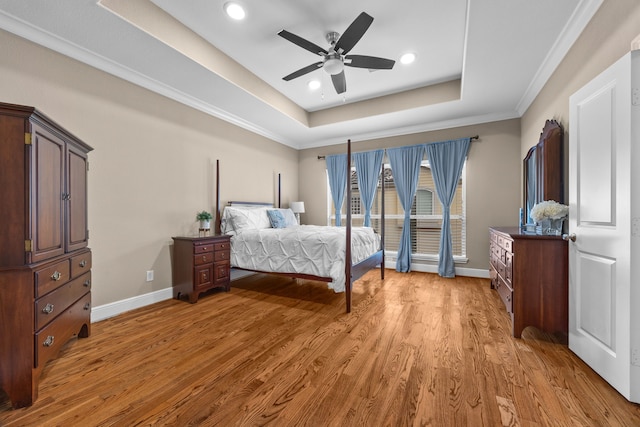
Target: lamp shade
[[297, 207]]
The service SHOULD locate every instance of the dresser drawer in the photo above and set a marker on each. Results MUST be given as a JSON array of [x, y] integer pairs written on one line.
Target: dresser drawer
[[80, 264], [51, 305], [200, 249], [508, 268], [68, 324], [505, 243], [506, 294], [205, 258], [49, 278]]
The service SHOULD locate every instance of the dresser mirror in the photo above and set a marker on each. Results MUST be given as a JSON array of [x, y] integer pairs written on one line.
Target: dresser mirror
[[543, 174]]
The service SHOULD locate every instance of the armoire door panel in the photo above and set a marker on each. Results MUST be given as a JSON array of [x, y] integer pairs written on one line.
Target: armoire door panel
[[76, 200], [47, 210]]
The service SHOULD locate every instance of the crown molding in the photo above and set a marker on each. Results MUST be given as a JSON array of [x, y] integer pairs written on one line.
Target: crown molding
[[44, 38], [426, 127], [576, 24]]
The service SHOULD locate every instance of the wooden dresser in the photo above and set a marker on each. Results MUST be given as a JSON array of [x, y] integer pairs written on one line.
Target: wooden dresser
[[531, 274], [45, 264], [200, 264]]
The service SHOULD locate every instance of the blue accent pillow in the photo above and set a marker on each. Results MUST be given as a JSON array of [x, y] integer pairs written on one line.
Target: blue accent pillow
[[276, 218]]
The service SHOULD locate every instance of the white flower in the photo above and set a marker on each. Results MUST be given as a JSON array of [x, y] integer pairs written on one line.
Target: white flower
[[549, 209]]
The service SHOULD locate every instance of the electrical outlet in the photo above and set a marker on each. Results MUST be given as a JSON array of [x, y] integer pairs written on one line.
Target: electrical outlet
[[149, 275]]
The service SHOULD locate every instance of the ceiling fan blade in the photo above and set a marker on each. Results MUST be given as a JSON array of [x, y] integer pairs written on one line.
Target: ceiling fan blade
[[354, 33], [305, 44], [339, 82], [303, 71], [371, 62]]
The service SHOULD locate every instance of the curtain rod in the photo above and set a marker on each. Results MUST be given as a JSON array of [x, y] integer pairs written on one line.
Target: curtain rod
[[472, 138]]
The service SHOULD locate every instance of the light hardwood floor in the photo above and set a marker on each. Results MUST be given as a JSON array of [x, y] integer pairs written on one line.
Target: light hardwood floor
[[416, 350]]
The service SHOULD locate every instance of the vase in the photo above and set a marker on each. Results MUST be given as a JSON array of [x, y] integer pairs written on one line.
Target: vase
[[552, 226], [205, 224]]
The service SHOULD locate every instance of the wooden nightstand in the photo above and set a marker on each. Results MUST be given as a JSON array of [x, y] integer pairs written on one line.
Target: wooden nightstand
[[200, 264]]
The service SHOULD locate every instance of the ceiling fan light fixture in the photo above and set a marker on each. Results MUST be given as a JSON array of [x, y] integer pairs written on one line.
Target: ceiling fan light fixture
[[314, 84], [408, 58], [234, 11], [333, 66]]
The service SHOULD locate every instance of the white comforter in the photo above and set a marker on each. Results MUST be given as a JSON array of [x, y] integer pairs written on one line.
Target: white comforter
[[307, 249]]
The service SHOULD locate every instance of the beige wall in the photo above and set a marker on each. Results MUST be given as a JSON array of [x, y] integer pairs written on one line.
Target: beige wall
[[493, 179], [605, 39], [153, 162]]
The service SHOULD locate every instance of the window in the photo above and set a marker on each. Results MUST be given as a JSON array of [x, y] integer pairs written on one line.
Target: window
[[426, 215]]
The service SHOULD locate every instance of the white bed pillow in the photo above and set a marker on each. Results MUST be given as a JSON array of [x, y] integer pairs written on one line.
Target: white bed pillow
[[238, 219]]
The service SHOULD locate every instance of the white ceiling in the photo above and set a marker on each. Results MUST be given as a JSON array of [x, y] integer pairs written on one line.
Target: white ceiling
[[501, 51]]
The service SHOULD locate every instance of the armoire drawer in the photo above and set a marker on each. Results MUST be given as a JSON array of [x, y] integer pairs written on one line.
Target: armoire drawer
[[53, 336], [51, 305], [80, 264], [51, 277]]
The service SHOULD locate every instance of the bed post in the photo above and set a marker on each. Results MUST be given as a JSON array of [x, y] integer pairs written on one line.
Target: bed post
[[217, 205], [382, 225], [347, 261], [279, 192]]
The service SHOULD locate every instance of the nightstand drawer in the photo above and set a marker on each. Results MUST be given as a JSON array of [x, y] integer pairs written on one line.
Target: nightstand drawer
[[221, 256], [203, 259], [222, 271], [224, 246], [203, 277], [200, 249]]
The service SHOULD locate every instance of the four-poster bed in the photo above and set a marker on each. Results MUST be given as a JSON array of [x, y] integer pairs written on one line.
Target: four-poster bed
[[363, 248]]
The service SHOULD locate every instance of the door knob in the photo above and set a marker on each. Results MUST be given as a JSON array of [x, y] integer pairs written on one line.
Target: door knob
[[568, 237]]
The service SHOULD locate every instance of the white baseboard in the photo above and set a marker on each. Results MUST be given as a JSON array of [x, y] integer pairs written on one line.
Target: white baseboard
[[432, 268], [106, 311]]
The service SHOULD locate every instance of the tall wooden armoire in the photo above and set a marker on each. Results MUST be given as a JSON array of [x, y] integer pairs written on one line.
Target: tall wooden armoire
[[45, 262]]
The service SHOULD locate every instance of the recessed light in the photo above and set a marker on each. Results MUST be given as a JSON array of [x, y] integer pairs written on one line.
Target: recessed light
[[408, 58], [314, 84], [235, 11]]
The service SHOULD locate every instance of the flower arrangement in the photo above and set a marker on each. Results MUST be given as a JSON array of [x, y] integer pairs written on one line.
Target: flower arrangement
[[549, 209]]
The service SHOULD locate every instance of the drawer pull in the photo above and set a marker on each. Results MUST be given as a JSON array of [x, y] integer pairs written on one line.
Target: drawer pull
[[56, 275], [83, 263], [87, 306], [204, 257], [49, 341], [204, 248], [87, 283], [48, 308]]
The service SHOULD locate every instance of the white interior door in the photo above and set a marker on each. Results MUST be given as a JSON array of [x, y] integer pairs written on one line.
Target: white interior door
[[599, 218]]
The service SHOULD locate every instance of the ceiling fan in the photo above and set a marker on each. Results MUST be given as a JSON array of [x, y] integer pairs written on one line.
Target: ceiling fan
[[335, 58]]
